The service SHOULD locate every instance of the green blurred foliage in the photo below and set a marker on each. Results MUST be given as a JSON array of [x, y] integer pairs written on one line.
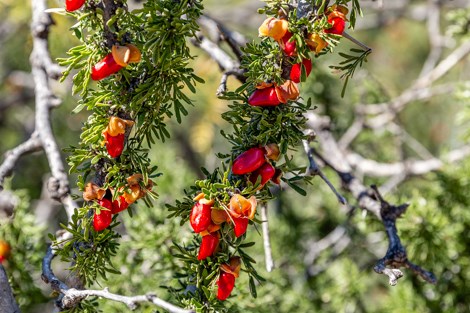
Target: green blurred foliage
[[433, 229]]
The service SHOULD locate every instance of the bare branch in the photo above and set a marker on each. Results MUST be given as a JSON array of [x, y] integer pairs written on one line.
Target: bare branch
[[314, 170], [7, 301], [225, 62], [409, 167], [396, 256], [11, 157], [268, 256], [70, 297], [43, 69], [368, 199], [434, 34], [234, 39], [357, 42]]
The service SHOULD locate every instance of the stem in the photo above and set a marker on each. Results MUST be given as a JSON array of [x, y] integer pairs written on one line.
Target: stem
[[357, 42]]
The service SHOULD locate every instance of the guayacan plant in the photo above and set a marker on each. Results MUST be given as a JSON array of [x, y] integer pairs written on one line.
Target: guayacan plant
[[140, 61]]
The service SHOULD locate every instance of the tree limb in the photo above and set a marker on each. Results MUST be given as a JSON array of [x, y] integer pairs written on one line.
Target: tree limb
[[44, 69], [70, 297], [7, 301], [11, 157]]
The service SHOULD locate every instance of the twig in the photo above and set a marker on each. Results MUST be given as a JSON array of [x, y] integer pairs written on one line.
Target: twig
[[268, 256], [357, 42], [12, 156], [234, 39], [223, 82], [396, 256], [225, 62], [353, 131], [410, 167], [314, 170], [434, 35], [70, 297]]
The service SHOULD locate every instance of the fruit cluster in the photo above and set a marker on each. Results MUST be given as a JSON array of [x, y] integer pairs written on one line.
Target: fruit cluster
[[206, 219], [120, 57], [134, 190], [270, 94], [255, 166]]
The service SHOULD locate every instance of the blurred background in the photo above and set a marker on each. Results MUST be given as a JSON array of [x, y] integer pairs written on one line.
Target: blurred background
[[306, 279]]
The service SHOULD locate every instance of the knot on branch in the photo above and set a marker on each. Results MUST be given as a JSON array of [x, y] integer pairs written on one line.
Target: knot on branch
[[71, 298], [40, 27], [396, 255], [58, 188]]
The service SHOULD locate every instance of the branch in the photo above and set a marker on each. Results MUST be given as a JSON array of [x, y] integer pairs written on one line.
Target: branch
[[369, 200], [11, 157], [314, 170], [225, 62], [421, 87], [217, 31], [70, 297], [7, 301], [268, 256], [43, 69], [234, 39], [408, 167], [434, 34], [396, 256]]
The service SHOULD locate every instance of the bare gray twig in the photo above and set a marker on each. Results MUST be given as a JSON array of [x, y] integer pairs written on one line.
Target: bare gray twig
[[268, 256], [70, 297]]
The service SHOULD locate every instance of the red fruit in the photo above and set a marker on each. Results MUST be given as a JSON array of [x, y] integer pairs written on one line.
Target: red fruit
[[200, 217], [225, 283], [264, 97], [240, 225], [296, 71], [104, 68], [249, 161], [266, 171], [289, 47], [208, 245], [103, 220], [115, 144], [4, 250], [73, 5], [119, 205], [338, 26]]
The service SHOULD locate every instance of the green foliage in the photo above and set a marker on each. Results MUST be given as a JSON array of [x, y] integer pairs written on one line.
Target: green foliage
[[350, 64], [87, 250], [27, 244]]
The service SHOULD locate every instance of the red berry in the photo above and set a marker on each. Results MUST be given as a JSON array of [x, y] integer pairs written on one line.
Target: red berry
[[249, 161], [338, 26], [119, 205], [73, 5], [103, 220], [240, 225], [104, 68], [296, 71], [4, 250], [200, 217], [115, 144], [226, 282], [264, 97], [266, 171], [208, 245], [289, 47]]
